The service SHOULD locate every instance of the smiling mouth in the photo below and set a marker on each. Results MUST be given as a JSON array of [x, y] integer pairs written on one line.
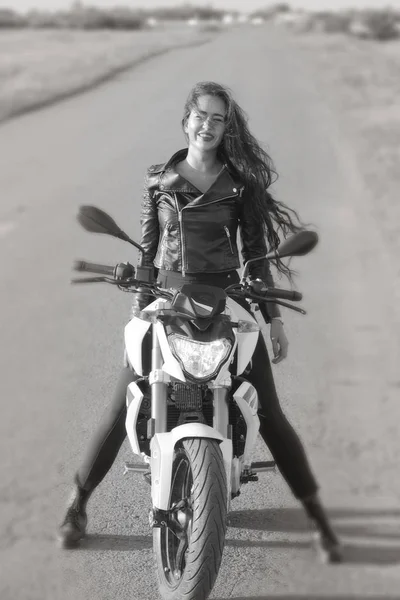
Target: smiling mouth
[[206, 136]]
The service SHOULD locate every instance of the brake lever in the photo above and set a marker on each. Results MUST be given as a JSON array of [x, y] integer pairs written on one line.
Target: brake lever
[[232, 287], [286, 305], [95, 280], [87, 280], [247, 296]]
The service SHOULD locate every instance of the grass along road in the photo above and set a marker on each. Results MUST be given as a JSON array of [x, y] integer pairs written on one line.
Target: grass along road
[[42, 66]]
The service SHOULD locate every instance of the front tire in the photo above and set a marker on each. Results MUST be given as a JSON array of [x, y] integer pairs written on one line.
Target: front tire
[[187, 568]]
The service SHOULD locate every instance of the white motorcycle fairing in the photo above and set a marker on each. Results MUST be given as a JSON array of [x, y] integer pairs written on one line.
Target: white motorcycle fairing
[[246, 341], [134, 334], [162, 445], [137, 328], [134, 397]]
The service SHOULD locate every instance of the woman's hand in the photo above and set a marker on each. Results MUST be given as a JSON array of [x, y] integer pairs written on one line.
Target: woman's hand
[[279, 341]]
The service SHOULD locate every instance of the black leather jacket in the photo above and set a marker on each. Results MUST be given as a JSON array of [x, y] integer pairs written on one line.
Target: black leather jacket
[[187, 231]]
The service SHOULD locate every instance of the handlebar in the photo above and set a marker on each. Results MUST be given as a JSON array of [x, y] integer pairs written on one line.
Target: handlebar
[[82, 265], [291, 295], [123, 275], [121, 271]]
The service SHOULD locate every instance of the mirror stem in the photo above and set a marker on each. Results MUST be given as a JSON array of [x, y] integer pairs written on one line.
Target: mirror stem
[[246, 267], [126, 238]]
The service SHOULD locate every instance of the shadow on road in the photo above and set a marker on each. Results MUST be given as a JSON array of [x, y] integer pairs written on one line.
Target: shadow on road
[[310, 597], [294, 520], [354, 554], [119, 543], [370, 537]]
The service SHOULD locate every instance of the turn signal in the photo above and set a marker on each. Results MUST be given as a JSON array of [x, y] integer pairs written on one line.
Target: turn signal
[[247, 327]]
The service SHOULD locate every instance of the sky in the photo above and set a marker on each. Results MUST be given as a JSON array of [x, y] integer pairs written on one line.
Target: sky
[[239, 5]]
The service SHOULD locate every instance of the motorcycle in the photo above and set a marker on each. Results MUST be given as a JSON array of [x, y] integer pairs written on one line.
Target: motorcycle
[[191, 413]]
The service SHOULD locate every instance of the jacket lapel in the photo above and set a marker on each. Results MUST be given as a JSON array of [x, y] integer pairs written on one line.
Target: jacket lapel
[[224, 186], [171, 181]]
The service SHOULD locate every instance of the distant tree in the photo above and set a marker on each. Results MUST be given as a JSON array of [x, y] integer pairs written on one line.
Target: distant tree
[[382, 24], [41, 19], [333, 22], [186, 12], [10, 19], [95, 18], [282, 7], [77, 5], [83, 16], [270, 11]]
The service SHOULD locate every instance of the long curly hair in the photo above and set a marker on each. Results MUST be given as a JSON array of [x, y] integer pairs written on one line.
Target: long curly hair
[[243, 154]]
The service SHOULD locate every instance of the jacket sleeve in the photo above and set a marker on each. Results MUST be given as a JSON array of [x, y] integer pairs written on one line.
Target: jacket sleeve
[[253, 246], [149, 241], [149, 225]]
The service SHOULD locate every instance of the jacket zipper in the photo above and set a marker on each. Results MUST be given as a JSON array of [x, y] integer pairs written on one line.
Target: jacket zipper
[[228, 235], [181, 225], [182, 244], [165, 233], [164, 237]]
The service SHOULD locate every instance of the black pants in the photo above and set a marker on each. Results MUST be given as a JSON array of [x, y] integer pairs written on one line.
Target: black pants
[[280, 437]]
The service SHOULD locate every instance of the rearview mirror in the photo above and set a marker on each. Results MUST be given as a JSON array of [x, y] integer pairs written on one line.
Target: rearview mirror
[[299, 244], [296, 245], [95, 220]]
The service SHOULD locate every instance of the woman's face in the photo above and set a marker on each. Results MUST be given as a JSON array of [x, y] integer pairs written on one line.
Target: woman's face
[[206, 123]]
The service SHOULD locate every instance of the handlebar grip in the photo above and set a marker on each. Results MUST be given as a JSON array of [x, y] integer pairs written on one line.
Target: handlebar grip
[[82, 265], [291, 295]]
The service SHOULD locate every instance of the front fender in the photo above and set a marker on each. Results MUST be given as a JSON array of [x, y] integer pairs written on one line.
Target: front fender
[[162, 455]]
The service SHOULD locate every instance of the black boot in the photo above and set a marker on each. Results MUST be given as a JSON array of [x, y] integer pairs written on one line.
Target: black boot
[[328, 544], [73, 528]]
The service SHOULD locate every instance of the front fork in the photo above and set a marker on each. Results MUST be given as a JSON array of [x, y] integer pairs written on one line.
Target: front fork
[[159, 389], [163, 444], [221, 410]]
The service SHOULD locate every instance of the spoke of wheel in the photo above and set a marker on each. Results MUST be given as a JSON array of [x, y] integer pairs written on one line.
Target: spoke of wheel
[[180, 553]]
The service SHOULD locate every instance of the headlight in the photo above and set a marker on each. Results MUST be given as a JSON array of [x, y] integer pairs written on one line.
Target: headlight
[[200, 359]]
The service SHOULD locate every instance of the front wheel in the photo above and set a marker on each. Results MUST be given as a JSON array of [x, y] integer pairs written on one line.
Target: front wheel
[[188, 563]]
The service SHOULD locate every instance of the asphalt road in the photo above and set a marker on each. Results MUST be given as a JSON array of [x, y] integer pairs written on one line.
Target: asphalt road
[[61, 346]]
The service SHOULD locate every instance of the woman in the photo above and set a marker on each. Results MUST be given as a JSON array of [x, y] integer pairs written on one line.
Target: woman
[[192, 207]]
